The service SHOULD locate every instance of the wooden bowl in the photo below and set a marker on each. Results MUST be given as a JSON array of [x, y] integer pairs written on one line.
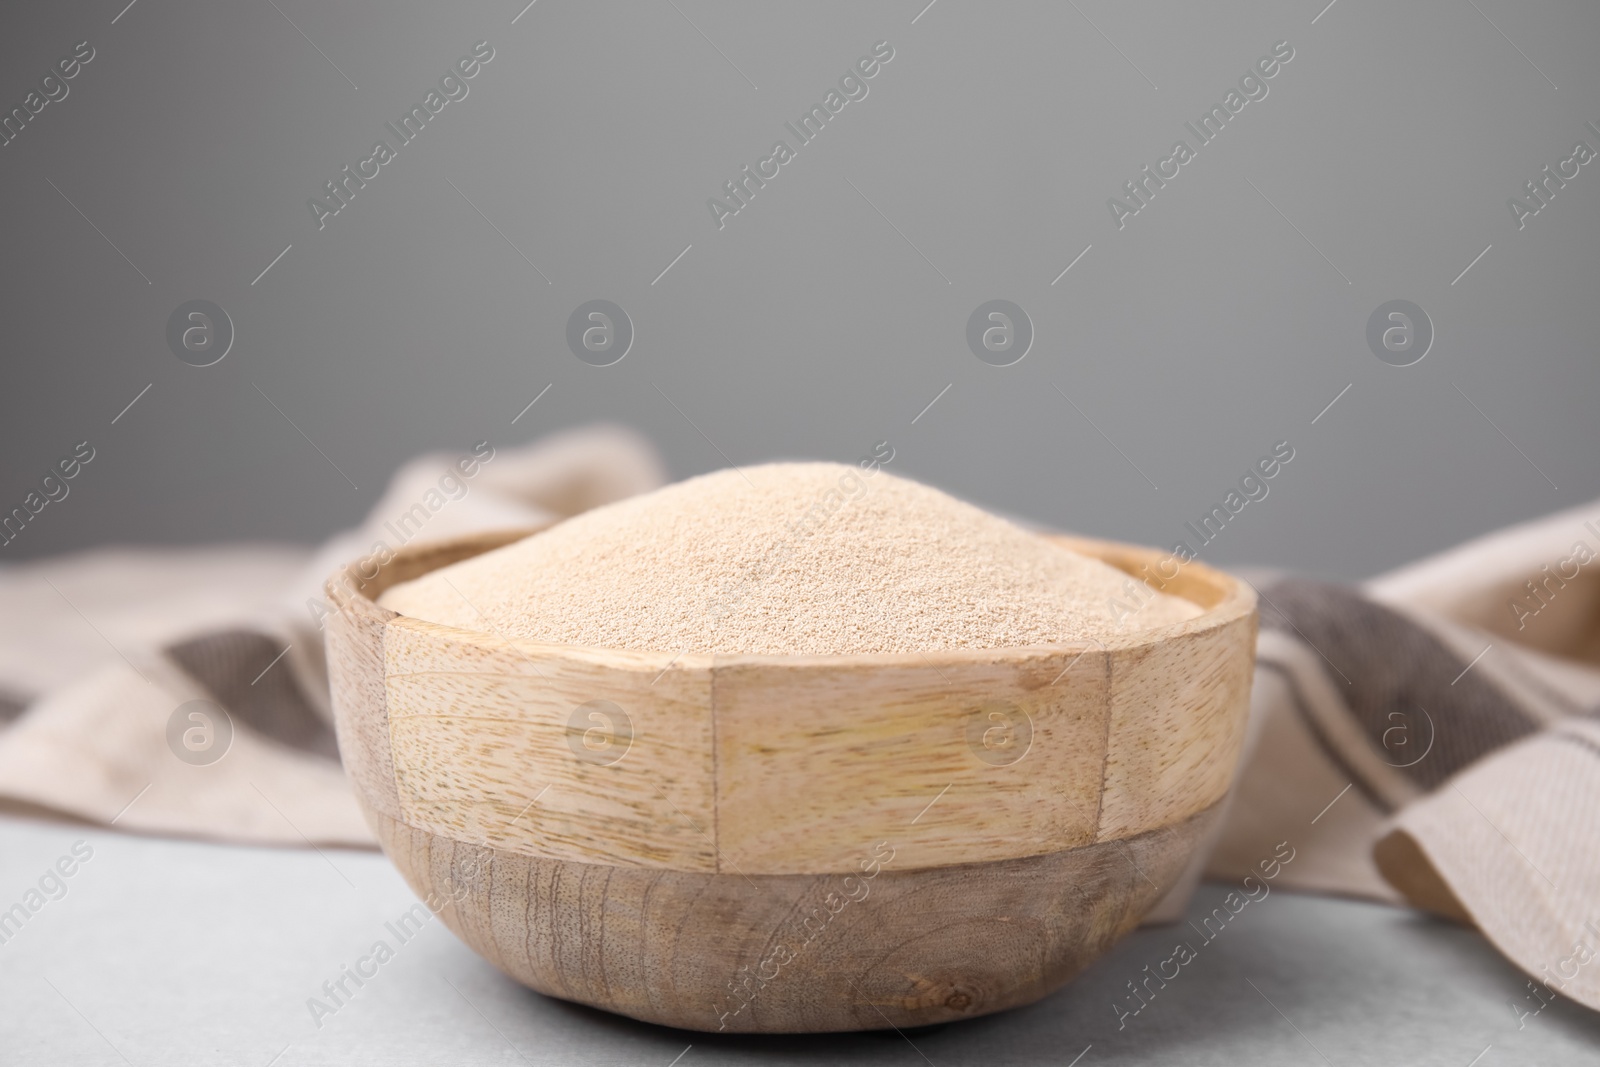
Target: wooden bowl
[[789, 843]]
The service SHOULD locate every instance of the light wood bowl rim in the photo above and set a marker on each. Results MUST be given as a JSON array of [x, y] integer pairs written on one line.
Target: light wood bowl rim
[[1234, 599], [1147, 733]]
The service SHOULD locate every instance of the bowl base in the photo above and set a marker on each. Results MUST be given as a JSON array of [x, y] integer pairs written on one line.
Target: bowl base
[[794, 953]]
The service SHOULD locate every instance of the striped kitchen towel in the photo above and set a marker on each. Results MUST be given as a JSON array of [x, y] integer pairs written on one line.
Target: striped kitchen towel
[[1433, 737], [126, 675]]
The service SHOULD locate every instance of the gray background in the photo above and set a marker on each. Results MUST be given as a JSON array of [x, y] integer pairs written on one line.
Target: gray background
[[824, 317]]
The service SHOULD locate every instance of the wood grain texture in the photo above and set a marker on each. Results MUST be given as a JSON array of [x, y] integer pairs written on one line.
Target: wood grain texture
[[1178, 697], [356, 681], [779, 765], [794, 953], [494, 746], [1178, 713], [991, 757], [355, 631], [789, 843]]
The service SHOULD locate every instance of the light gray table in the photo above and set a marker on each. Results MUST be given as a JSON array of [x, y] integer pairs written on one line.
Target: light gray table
[[169, 952]]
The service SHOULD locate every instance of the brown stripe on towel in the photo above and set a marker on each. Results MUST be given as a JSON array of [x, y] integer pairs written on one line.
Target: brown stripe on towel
[[1330, 751], [12, 704], [1395, 667], [237, 667]]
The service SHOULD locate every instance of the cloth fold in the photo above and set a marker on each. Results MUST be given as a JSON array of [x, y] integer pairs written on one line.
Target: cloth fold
[[128, 674], [1432, 737], [1429, 737]]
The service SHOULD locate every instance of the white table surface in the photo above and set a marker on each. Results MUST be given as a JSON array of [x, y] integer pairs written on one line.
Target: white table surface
[[172, 952]]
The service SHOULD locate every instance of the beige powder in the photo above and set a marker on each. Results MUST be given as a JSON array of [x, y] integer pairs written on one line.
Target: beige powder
[[786, 558]]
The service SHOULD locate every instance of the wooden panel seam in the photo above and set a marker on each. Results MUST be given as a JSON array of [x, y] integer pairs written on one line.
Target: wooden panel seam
[[388, 720], [1108, 672], [716, 769]]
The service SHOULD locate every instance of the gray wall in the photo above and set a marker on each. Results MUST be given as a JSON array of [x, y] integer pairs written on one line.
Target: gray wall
[[1219, 320]]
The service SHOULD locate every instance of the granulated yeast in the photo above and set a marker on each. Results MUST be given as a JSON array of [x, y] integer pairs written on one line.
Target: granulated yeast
[[787, 558]]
